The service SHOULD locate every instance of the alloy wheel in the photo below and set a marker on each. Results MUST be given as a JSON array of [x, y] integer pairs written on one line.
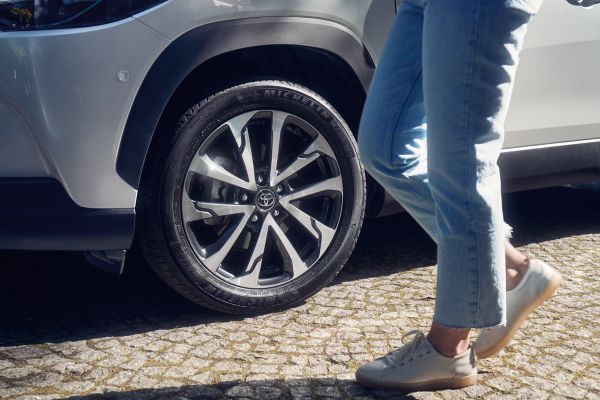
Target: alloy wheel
[[262, 199]]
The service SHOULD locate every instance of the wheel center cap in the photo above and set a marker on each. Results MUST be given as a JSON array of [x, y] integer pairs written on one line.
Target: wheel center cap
[[265, 199]]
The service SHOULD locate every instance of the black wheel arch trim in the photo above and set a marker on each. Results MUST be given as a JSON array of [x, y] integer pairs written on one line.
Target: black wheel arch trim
[[201, 44]]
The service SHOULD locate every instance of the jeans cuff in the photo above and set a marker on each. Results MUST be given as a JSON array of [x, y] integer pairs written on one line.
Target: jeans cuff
[[476, 325], [508, 231]]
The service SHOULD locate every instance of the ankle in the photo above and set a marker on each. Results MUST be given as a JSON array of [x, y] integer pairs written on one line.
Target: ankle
[[449, 349], [449, 342], [515, 272], [520, 264]]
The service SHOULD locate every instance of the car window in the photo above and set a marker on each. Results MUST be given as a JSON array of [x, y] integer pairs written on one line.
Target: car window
[[53, 14]]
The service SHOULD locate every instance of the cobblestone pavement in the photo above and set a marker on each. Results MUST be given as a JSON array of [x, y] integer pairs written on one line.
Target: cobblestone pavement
[[68, 330]]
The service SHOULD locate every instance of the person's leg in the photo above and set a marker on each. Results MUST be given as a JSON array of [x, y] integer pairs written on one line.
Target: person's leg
[[470, 54], [392, 142], [392, 133], [516, 266], [393, 130], [392, 139]]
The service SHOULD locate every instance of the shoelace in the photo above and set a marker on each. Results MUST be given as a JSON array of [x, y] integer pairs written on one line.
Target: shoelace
[[396, 356]]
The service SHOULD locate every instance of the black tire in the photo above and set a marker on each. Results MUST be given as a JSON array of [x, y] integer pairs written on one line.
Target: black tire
[[161, 234]]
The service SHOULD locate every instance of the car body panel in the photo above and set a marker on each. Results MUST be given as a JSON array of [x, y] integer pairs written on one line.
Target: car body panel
[[556, 96], [20, 153], [63, 84]]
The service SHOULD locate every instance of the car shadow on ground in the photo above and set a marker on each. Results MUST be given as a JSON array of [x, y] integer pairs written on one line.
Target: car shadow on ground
[[52, 297], [259, 389]]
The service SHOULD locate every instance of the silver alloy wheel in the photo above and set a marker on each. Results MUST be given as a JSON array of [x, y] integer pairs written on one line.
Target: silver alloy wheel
[[262, 199]]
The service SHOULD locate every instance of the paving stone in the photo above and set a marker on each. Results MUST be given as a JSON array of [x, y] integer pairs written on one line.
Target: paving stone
[[300, 392], [204, 392], [6, 364], [72, 368], [45, 379], [39, 397], [120, 378], [142, 382], [240, 391], [25, 352], [76, 387], [18, 373], [201, 378], [569, 391], [13, 392], [134, 363]]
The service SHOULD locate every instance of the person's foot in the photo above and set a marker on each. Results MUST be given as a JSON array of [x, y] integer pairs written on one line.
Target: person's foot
[[418, 366], [538, 284]]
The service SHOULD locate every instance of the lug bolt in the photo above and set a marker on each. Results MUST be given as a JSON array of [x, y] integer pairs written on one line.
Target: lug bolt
[[278, 189], [244, 197], [275, 212], [260, 179], [254, 218]]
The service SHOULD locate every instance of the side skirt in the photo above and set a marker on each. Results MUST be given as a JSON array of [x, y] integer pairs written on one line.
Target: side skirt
[[38, 214]]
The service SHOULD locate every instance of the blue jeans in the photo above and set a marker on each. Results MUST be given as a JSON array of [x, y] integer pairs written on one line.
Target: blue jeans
[[431, 133]]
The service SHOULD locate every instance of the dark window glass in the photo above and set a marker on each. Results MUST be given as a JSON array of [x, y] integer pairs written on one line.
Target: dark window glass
[[54, 14]]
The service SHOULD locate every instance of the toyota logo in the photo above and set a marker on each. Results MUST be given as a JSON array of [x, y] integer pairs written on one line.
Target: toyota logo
[[265, 199]]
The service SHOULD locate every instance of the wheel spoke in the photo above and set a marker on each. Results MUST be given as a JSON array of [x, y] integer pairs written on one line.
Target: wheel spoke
[[189, 212], [203, 165], [298, 266], [214, 261], [240, 133], [316, 149], [320, 231], [252, 271], [300, 162], [237, 125], [196, 210], [331, 184], [278, 121]]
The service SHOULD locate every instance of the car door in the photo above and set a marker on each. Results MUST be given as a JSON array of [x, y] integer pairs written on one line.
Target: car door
[[556, 96]]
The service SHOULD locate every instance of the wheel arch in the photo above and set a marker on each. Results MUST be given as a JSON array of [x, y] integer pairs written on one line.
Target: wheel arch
[[186, 59]]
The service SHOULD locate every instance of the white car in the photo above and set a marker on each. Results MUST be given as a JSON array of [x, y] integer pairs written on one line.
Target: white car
[[220, 134]]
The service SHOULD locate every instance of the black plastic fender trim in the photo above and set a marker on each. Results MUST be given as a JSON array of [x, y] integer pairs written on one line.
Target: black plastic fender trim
[[201, 44], [38, 214]]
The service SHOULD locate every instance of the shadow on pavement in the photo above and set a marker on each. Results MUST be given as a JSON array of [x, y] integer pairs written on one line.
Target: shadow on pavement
[[57, 297], [260, 389], [548, 214]]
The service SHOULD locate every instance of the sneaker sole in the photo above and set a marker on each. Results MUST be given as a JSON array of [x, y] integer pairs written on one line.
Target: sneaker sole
[[548, 291], [438, 384]]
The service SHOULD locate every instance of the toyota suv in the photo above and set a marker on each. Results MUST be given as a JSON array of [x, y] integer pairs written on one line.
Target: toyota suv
[[218, 136]]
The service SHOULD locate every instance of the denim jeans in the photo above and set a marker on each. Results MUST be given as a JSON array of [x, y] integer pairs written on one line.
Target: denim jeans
[[431, 133]]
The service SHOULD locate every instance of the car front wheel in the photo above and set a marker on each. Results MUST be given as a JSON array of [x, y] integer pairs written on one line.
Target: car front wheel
[[258, 200]]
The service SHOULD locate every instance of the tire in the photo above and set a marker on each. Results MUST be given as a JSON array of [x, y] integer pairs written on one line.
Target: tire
[[294, 228]]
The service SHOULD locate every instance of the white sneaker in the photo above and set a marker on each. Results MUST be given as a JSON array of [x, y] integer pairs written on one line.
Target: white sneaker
[[538, 284], [418, 366]]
